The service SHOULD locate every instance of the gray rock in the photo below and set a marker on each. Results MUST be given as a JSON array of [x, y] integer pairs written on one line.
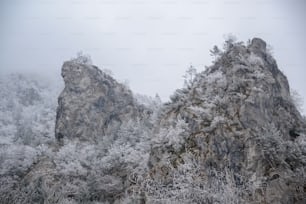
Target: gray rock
[[92, 104], [258, 44], [254, 123]]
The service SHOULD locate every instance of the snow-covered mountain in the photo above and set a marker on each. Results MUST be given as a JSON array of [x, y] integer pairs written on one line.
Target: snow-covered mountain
[[232, 135]]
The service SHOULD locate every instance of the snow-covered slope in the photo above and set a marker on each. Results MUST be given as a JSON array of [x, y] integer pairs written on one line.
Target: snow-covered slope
[[27, 120], [27, 108], [101, 138]]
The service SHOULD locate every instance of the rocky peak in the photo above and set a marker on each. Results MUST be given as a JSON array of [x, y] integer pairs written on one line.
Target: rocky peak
[[236, 117], [79, 77], [92, 103], [258, 44]]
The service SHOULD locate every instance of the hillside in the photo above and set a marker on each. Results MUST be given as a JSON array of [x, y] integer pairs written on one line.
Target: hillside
[[232, 135]]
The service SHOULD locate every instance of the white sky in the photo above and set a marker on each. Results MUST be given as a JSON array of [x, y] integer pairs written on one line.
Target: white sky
[[150, 43]]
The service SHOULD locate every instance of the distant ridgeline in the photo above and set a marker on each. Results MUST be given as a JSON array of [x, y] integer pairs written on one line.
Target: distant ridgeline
[[232, 135]]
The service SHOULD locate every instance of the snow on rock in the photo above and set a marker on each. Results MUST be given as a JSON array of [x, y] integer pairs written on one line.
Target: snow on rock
[[92, 104], [242, 122]]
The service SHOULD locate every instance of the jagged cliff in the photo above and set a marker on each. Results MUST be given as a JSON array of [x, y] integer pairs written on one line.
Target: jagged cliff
[[93, 104], [102, 137], [233, 135], [237, 119]]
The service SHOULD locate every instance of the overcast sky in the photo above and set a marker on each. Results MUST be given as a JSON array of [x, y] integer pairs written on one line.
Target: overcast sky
[[149, 43]]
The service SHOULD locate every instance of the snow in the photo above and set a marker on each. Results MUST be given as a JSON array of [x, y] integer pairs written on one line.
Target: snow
[[174, 140], [255, 60]]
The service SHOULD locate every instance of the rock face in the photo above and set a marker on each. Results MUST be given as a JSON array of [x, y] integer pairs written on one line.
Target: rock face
[[101, 139], [236, 119], [92, 104], [234, 132]]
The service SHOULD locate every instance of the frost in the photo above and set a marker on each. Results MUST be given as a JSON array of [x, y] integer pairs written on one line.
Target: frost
[[214, 77], [203, 110], [17, 158], [27, 110], [255, 60], [230, 136], [172, 137]]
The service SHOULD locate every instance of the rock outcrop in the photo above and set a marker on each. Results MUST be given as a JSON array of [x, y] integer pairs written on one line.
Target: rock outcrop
[[237, 119], [101, 136], [234, 130], [93, 104]]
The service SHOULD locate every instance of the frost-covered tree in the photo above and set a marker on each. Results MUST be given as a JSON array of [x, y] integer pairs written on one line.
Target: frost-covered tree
[[297, 99], [215, 52], [230, 39], [189, 76], [152, 103], [82, 58], [27, 108], [108, 71]]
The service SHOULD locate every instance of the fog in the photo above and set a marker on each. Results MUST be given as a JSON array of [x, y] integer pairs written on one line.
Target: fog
[[147, 43]]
